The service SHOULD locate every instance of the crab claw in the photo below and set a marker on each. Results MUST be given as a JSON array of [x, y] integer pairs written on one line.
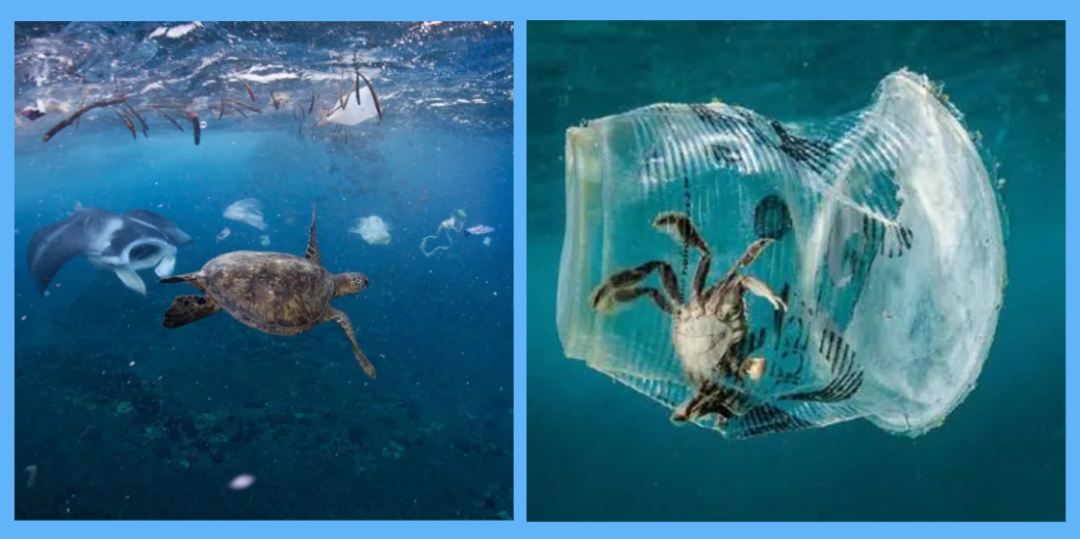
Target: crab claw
[[679, 417], [762, 290], [754, 368], [603, 299]]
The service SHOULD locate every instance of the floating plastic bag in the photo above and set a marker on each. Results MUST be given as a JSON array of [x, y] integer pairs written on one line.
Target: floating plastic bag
[[373, 229], [247, 211], [813, 273]]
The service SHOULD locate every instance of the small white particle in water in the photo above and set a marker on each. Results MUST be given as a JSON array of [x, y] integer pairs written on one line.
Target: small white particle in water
[[132, 364], [24, 317], [242, 482], [46, 293]]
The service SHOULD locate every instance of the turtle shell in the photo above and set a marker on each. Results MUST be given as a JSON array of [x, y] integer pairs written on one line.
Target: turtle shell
[[273, 292]]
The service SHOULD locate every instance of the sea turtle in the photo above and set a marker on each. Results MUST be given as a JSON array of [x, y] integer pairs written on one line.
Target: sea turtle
[[706, 331], [275, 293]]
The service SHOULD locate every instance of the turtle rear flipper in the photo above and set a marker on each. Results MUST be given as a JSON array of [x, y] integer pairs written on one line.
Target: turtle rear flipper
[[312, 253], [188, 309], [346, 325]]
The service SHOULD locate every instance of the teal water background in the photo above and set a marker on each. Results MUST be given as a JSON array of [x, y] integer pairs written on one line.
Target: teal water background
[[599, 451]]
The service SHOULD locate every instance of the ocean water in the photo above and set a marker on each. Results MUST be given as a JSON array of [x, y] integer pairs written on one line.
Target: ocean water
[[597, 450], [124, 419]]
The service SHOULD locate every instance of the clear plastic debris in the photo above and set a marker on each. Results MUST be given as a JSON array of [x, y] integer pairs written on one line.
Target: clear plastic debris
[[758, 277], [248, 211], [373, 229]]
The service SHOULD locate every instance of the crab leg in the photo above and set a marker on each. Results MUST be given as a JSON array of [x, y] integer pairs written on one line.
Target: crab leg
[[748, 257], [629, 278], [626, 295], [711, 398], [713, 295], [762, 290], [679, 226], [700, 275]]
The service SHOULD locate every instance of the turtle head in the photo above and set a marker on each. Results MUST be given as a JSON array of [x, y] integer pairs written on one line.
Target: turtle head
[[347, 284]]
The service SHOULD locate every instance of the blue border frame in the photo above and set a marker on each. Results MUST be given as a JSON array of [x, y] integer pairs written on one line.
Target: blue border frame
[[490, 10]]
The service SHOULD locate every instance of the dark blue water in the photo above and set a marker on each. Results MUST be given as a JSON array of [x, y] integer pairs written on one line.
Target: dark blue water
[[125, 419], [599, 451]]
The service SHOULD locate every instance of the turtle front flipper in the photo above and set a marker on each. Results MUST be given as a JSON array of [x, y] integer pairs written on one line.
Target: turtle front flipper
[[188, 309], [194, 279], [312, 253], [346, 325]]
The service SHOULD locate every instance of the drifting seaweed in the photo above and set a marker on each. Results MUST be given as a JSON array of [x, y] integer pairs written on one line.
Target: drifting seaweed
[[127, 121], [132, 111], [81, 103], [378, 108], [249, 90], [75, 117], [195, 125], [252, 108], [167, 117]]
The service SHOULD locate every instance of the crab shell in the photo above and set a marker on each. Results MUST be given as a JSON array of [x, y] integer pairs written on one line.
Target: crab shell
[[704, 336]]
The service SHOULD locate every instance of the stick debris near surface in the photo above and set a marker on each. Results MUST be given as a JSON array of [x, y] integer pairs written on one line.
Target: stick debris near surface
[[170, 118], [127, 122], [132, 111], [378, 108], [252, 108], [75, 117], [249, 90]]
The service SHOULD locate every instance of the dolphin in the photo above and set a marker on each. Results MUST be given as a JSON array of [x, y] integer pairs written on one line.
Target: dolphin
[[123, 244]]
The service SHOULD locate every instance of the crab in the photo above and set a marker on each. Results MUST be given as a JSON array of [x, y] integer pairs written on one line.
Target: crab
[[707, 330]]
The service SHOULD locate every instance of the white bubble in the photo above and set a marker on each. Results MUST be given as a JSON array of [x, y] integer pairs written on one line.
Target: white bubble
[[242, 481]]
